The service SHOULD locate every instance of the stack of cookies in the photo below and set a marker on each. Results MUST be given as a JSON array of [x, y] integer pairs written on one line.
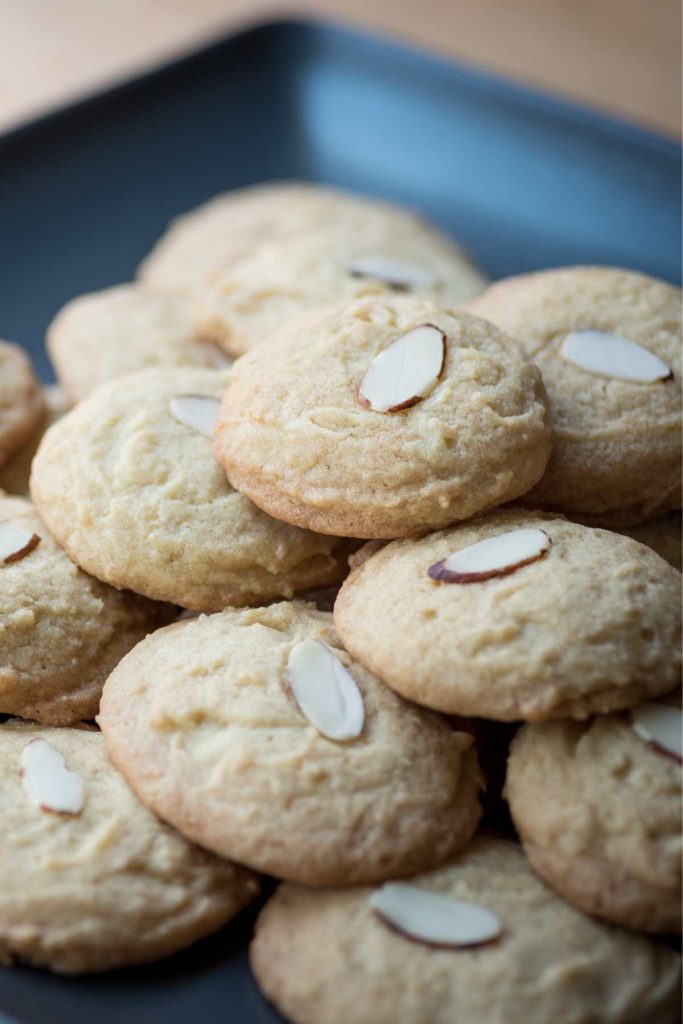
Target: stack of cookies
[[311, 596]]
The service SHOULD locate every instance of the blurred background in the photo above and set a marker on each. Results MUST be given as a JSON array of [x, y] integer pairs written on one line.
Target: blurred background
[[620, 56]]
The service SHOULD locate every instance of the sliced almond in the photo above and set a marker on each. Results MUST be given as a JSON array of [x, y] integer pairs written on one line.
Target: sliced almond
[[433, 918], [197, 411], [610, 355], [48, 782], [660, 725], [16, 542], [495, 556], [397, 274], [327, 694], [405, 372]]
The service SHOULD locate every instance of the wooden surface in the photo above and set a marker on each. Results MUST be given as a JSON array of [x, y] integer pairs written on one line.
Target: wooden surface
[[622, 56]]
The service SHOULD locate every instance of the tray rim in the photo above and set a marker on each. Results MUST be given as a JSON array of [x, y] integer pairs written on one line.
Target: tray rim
[[470, 75]]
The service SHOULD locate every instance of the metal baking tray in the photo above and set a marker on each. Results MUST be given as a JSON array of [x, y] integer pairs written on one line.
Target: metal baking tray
[[522, 179]]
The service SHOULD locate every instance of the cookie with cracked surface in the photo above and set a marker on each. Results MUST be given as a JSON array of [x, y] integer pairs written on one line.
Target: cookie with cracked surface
[[62, 631], [128, 485], [323, 425], [91, 879], [599, 813], [15, 474], [106, 334], [253, 296], [516, 615], [322, 956], [617, 453], [229, 226], [206, 720], [21, 400]]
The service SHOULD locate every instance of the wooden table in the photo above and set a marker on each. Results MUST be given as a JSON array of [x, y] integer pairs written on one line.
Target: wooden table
[[622, 56]]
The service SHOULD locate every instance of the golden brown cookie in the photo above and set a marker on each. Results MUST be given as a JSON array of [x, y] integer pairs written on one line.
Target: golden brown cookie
[[16, 472], [90, 879], [516, 615], [324, 956], [383, 418], [128, 485], [62, 632], [608, 344], [21, 400], [599, 812], [257, 736]]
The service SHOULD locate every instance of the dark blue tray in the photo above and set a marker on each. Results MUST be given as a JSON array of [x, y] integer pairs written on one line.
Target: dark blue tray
[[523, 180]]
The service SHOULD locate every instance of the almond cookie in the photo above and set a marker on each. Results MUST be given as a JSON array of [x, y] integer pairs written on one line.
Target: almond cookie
[[90, 878], [229, 226], [15, 474], [598, 808], [21, 400], [255, 295], [383, 419], [128, 485], [481, 940], [516, 615], [257, 736], [107, 334], [662, 534], [608, 343], [62, 632]]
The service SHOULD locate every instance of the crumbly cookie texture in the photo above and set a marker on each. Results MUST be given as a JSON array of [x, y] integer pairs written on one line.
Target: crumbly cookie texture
[[617, 453], [62, 631], [323, 956], [137, 499], [107, 334], [662, 534], [257, 294], [202, 720], [599, 813], [296, 437], [593, 625], [16, 472], [213, 236], [108, 886], [21, 400]]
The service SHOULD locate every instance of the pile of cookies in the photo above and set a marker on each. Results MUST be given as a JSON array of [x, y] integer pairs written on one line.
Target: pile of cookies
[[309, 598]]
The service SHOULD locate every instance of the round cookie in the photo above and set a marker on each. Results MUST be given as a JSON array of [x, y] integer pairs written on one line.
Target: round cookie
[[257, 294], [107, 885], [617, 453], [599, 812], [62, 631], [297, 435], [203, 720], [136, 497], [324, 956], [229, 226], [591, 623], [21, 400], [107, 334], [15, 474]]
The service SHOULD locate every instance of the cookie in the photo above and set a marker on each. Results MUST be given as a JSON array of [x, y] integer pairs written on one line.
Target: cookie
[[599, 812], [327, 956], [229, 226], [128, 485], [516, 615], [21, 400], [608, 343], [90, 878], [107, 334], [62, 631], [256, 735], [257, 294], [383, 418], [15, 474], [662, 534]]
